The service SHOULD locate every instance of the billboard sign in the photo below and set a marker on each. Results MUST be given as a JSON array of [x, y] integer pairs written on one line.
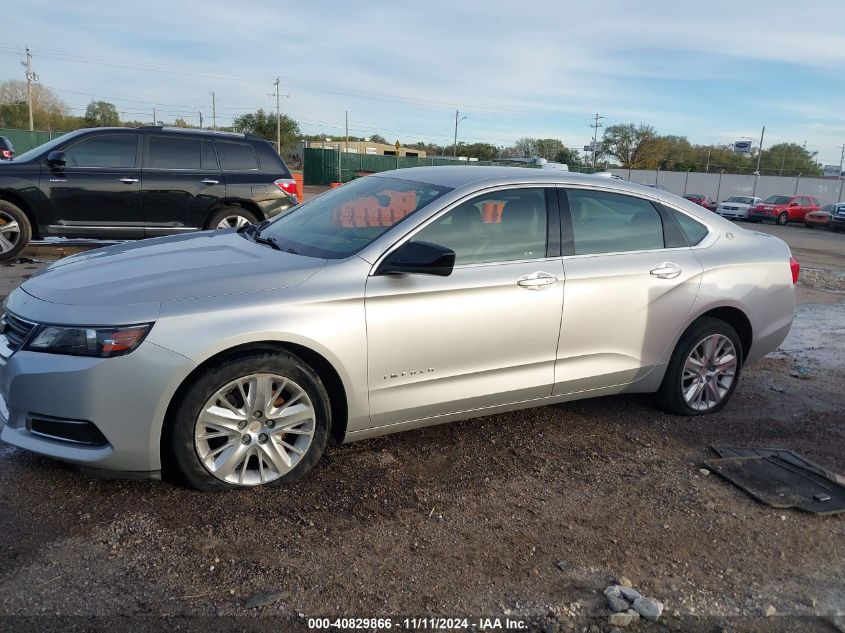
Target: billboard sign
[[742, 147], [831, 171]]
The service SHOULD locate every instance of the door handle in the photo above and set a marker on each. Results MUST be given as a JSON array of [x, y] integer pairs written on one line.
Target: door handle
[[537, 281], [128, 181], [209, 181], [666, 270]]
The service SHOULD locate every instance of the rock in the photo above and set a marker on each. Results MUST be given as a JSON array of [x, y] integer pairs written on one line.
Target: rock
[[624, 582], [613, 590], [629, 593], [621, 619], [810, 602], [267, 598], [594, 628], [704, 471], [617, 604], [769, 611], [648, 608], [633, 613], [562, 565]]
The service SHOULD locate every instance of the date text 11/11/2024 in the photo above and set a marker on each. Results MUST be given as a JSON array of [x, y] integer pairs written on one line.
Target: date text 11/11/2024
[[420, 623]]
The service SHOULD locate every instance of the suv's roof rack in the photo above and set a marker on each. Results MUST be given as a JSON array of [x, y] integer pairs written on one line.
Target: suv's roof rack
[[189, 130]]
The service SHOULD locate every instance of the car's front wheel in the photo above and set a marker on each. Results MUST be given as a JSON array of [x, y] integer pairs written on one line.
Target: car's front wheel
[[262, 418], [704, 369], [233, 217], [783, 219], [15, 230]]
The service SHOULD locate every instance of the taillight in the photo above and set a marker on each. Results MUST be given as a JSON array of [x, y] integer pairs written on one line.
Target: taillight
[[7, 154], [795, 267], [288, 185]]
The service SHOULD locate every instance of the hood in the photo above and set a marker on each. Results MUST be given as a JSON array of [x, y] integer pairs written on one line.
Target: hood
[[173, 268]]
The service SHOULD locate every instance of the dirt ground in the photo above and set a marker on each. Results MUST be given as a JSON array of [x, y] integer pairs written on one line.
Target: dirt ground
[[527, 515]]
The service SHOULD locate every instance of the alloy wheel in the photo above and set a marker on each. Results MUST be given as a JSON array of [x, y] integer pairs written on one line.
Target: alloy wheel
[[10, 232], [709, 372], [254, 429], [783, 218], [232, 222]]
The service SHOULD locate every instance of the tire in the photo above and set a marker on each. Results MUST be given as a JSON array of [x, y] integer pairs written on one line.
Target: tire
[[231, 217], [783, 219], [12, 242], [670, 396], [255, 461], [835, 229]]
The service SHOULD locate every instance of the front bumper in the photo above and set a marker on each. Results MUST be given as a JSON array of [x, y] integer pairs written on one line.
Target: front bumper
[[837, 221], [761, 215], [733, 214], [125, 398]]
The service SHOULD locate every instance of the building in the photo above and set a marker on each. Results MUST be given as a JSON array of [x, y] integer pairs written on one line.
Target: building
[[361, 147]]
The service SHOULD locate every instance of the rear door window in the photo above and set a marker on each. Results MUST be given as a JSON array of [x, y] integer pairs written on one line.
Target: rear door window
[[236, 156], [170, 152], [209, 157], [605, 222], [693, 230]]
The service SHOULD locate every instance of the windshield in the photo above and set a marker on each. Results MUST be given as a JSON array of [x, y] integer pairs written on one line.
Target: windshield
[[342, 221], [37, 151], [740, 200], [776, 200]]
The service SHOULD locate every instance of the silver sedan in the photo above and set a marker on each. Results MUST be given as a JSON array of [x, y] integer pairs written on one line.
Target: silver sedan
[[405, 299]]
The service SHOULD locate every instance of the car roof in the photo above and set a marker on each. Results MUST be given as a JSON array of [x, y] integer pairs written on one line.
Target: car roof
[[172, 130]]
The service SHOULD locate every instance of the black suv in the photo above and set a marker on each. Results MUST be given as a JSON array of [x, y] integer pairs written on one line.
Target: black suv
[[139, 182]]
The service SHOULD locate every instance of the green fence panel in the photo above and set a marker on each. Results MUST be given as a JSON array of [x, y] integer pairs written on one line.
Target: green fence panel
[[24, 140]]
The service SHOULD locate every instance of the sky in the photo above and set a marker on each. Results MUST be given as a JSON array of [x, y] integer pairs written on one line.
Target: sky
[[713, 71]]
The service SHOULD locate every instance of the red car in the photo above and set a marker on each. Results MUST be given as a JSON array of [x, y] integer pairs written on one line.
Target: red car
[[704, 201], [783, 209]]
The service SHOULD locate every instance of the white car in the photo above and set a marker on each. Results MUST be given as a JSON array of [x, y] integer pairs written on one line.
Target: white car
[[736, 207]]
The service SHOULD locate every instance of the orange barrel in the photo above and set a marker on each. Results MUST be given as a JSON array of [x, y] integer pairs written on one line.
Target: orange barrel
[[335, 185], [298, 179]]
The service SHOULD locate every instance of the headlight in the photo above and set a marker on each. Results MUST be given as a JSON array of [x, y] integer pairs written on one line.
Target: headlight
[[103, 342]]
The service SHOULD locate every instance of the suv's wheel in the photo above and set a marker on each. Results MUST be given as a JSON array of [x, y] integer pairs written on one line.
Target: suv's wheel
[[15, 230], [233, 217], [783, 218], [703, 371], [259, 419]]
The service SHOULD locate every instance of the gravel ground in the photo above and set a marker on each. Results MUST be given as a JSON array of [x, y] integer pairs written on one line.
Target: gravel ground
[[528, 514]]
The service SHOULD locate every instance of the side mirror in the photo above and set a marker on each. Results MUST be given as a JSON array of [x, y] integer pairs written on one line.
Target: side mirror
[[56, 158], [793, 204], [423, 258]]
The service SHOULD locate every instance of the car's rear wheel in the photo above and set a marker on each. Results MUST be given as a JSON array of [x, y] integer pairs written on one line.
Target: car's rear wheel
[[261, 419], [704, 369], [233, 217], [15, 230], [783, 219]]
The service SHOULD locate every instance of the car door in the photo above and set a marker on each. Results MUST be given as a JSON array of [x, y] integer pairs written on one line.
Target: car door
[[97, 192], [483, 336], [631, 278], [182, 180]]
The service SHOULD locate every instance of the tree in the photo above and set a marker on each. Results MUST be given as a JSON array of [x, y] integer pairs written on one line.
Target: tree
[[789, 157], [378, 138], [626, 141], [263, 124], [101, 114], [47, 108], [568, 157]]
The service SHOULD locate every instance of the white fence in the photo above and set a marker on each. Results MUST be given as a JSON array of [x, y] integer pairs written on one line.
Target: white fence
[[722, 186]]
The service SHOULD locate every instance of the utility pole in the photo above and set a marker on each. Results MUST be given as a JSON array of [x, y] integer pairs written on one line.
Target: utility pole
[[760, 151], [213, 111], [278, 120], [31, 77], [841, 160], [346, 114], [707, 169], [155, 121], [200, 113], [596, 127], [457, 120]]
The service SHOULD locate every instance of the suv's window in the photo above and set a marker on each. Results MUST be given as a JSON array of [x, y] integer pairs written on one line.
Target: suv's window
[[110, 150], [610, 222], [170, 152], [209, 157], [509, 225], [236, 156], [693, 230]]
